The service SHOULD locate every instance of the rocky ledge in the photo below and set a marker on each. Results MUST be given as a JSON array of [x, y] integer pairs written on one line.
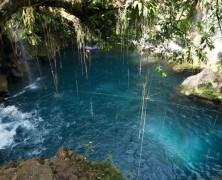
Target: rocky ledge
[[186, 67], [65, 165], [205, 85]]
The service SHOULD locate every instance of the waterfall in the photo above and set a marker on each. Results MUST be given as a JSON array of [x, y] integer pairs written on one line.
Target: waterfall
[[20, 49], [25, 59]]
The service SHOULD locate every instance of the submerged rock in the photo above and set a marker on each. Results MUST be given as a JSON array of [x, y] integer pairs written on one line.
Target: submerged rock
[[65, 165], [3, 86], [206, 85]]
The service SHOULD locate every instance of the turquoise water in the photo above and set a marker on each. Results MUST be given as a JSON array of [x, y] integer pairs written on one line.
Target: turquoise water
[[182, 139]]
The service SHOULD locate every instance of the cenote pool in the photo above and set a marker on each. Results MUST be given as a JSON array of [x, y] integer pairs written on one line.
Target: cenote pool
[[182, 137]]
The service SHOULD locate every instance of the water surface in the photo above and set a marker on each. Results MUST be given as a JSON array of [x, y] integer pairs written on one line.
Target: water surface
[[182, 137]]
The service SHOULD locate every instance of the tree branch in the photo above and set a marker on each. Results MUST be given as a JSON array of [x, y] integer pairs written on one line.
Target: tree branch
[[80, 10]]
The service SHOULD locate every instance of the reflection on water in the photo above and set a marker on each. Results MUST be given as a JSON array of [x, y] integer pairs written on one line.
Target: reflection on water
[[182, 137]]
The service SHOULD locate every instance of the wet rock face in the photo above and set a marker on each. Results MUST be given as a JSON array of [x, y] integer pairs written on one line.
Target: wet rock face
[[65, 165], [3, 86], [11, 65]]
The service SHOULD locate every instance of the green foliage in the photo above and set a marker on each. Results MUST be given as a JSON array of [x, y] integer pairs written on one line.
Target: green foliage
[[120, 22], [209, 92], [201, 54], [177, 56], [219, 66], [108, 159], [200, 26], [161, 71], [144, 8], [89, 149]]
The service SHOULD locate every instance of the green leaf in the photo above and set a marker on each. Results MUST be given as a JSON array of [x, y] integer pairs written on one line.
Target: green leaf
[[145, 11], [140, 5], [212, 29], [211, 46], [163, 74], [202, 39], [199, 26], [135, 4]]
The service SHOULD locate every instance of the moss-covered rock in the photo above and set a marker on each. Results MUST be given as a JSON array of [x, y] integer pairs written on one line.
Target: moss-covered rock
[[209, 93], [206, 85], [186, 67], [65, 165]]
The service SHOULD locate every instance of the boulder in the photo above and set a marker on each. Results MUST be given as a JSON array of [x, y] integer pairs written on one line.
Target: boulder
[[206, 85], [192, 83], [32, 169]]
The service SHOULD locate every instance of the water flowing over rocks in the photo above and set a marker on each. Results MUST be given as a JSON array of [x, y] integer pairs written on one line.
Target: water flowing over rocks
[[65, 165]]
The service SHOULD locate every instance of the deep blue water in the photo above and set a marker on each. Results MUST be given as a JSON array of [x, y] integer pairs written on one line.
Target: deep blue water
[[182, 139]]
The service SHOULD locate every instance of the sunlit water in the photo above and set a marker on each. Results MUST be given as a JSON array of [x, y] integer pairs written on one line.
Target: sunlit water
[[182, 139]]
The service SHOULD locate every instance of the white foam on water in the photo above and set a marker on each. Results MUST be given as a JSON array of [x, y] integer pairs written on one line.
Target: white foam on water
[[10, 119], [6, 136]]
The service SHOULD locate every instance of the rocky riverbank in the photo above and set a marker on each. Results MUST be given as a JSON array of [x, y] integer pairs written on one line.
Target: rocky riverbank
[[186, 67], [205, 85], [65, 165]]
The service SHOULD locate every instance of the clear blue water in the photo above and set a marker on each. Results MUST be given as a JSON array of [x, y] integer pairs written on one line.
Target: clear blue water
[[182, 139]]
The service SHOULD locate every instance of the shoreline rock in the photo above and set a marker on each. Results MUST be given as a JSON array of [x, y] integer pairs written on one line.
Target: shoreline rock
[[186, 67], [65, 165], [205, 85]]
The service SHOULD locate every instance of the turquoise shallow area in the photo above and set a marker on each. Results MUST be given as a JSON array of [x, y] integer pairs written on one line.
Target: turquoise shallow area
[[182, 139]]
